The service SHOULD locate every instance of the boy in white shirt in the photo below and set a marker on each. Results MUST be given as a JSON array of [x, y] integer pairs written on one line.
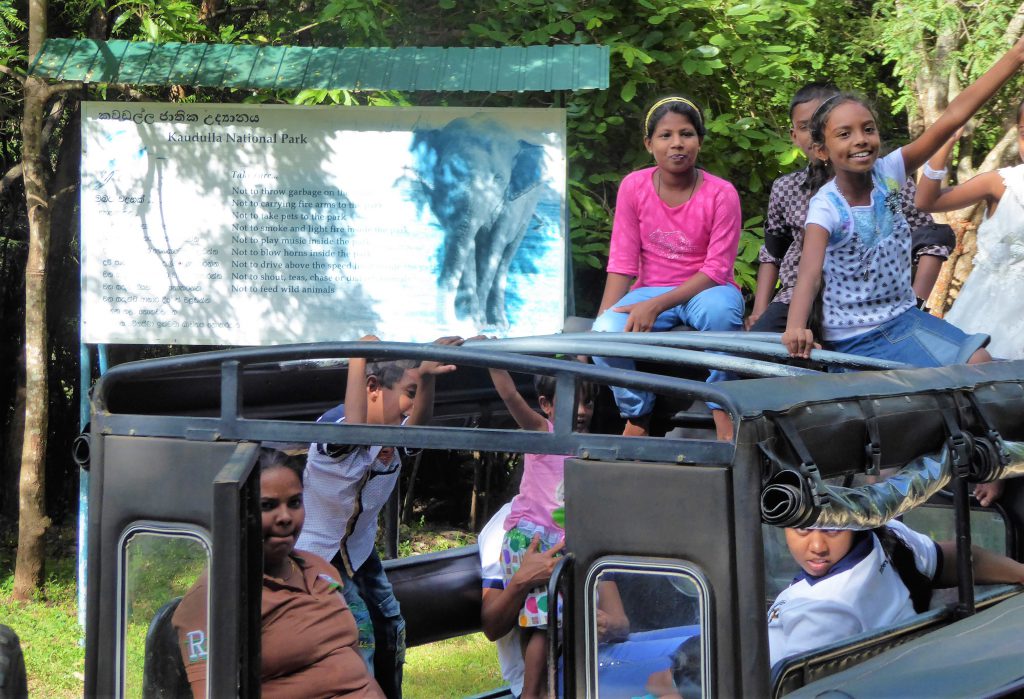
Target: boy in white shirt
[[347, 486], [852, 582]]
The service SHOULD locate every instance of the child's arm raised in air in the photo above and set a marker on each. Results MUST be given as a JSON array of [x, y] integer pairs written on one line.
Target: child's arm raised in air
[[963, 108], [526, 417], [798, 339], [355, 387], [988, 186], [423, 408]]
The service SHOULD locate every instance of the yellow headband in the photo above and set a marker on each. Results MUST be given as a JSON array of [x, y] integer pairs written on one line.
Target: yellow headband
[[650, 112]]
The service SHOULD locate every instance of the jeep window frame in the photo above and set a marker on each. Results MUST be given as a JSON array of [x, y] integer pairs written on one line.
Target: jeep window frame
[[642, 565]]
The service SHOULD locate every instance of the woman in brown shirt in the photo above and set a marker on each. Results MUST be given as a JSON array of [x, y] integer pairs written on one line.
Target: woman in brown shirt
[[308, 640]]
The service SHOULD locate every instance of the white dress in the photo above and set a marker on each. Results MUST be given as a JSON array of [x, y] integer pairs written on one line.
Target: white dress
[[992, 299]]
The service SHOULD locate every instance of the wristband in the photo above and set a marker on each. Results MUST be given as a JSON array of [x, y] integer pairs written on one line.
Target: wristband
[[933, 174]]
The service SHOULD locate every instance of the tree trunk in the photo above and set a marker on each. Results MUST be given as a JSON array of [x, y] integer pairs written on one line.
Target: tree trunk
[[32, 519], [942, 297]]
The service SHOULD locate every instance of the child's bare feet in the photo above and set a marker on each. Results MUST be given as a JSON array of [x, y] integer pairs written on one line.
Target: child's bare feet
[[723, 425], [637, 426]]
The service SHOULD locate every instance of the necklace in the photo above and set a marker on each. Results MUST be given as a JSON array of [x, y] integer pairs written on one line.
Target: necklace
[[289, 571], [847, 199], [693, 186], [868, 246]]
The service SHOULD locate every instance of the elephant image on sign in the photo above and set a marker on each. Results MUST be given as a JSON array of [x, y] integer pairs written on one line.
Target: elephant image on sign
[[483, 183]]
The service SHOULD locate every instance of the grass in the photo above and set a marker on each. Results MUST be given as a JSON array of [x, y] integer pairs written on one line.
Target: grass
[[420, 537], [453, 668], [48, 625], [51, 638]]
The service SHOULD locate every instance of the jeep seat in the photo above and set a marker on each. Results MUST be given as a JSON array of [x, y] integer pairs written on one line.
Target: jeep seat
[[163, 673], [439, 593]]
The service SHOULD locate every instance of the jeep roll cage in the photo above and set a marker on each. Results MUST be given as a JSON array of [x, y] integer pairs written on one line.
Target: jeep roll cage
[[174, 440]]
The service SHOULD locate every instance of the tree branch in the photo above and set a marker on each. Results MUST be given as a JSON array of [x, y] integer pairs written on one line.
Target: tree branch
[[58, 88], [1000, 153], [52, 119], [10, 71], [11, 176], [1015, 26]]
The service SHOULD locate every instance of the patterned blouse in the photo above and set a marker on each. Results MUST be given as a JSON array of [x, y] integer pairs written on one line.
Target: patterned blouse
[[787, 215]]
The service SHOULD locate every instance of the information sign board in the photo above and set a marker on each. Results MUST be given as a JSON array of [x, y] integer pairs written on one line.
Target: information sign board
[[267, 224]]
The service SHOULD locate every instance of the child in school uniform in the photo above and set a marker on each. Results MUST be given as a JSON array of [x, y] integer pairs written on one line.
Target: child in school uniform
[[851, 582]]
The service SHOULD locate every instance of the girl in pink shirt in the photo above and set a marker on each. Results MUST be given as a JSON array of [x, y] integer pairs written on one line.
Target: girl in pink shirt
[[674, 243], [530, 524]]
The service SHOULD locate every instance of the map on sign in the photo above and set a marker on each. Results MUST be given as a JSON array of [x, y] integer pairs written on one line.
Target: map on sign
[[269, 224]]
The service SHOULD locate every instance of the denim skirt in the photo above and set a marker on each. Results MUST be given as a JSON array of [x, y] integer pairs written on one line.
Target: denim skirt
[[916, 338]]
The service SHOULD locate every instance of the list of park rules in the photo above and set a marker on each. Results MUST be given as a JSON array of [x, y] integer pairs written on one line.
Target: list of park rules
[[255, 225]]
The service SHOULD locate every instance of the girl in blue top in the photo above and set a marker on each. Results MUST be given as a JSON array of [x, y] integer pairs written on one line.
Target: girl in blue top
[[857, 236]]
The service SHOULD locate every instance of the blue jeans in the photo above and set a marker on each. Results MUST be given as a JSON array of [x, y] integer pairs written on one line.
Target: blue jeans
[[717, 308], [916, 338], [379, 620]]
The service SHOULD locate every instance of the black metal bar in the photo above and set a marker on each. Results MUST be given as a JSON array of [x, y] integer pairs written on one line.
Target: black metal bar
[[100, 630], [565, 404], [754, 344], [683, 451], [560, 584], [527, 364], [666, 351], [230, 391], [964, 558], [392, 508], [236, 576]]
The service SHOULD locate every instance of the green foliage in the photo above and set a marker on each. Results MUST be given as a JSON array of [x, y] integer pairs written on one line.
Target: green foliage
[[751, 239], [10, 26], [160, 21], [741, 60], [973, 37]]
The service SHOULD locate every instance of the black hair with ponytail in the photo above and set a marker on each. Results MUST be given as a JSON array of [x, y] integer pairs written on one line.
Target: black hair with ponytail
[[820, 171]]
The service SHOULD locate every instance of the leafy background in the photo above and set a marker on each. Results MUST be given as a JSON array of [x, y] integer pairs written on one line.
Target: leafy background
[[742, 60]]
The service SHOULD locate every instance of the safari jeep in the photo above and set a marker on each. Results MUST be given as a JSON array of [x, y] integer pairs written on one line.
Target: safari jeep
[[686, 526]]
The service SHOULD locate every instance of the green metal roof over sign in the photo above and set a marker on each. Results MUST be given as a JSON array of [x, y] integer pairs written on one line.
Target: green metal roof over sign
[[506, 69]]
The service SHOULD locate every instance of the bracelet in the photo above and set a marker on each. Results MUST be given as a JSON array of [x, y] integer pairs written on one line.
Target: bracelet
[[933, 174]]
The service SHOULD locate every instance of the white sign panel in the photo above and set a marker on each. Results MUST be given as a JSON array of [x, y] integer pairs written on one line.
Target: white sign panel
[[268, 224]]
